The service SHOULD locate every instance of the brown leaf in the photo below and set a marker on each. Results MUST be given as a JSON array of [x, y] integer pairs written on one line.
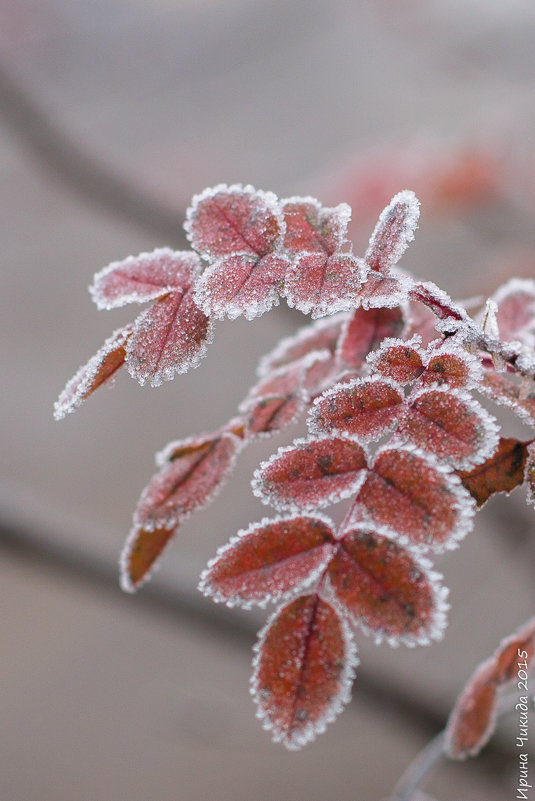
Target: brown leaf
[[502, 472]]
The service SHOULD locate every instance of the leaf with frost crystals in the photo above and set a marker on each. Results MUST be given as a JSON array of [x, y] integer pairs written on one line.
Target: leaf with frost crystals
[[276, 400], [320, 284], [311, 227], [451, 425], [311, 473], [417, 498], [269, 561], [198, 469], [398, 359], [388, 591], [303, 670], [501, 472], [394, 232], [364, 408], [452, 365], [365, 330], [100, 369], [141, 554], [239, 231], [321, 335], [515, 315], [502, 389], [148, 276]]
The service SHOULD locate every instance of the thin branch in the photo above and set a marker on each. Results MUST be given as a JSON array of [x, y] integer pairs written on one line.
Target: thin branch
[[57, 152]]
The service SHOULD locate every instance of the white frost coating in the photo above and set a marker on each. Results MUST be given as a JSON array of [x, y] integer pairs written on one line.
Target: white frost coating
[[410, 202], [124, 577], [140, 262], [388, 298], [524, 286], [275, 596], [76, 388], [451, 347], [260, 485], [464, 505], [271, 361], [315, 304], [434, 630], [314, 426], [392, 342], [270, 200], [340, 215], [311, 730], [490, 323], [443, 299], [488, 426], [509, 402]]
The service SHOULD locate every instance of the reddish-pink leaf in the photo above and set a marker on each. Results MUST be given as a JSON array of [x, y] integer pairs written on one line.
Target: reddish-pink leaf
[[516, 310], [451, 368], [419, 500], [501, 472], [365, 331], [141, 554], [198, 469], [502, 389], [323, 371], [148, 276], [401, 361], [311, 473], [422, 322], [313, 228], [451, 425], [269, 560], [473, 718], [514, 654], [276, 401], [303, 670], [365, 408], [320, 335], [383, 291], [530, 473], [100, 369], [438, 301], [388, 591], [234, 219], [168, 338], [393, 232], [321, 284]]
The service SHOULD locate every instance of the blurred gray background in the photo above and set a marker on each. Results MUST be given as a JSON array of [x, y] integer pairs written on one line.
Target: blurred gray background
[[112, 114]]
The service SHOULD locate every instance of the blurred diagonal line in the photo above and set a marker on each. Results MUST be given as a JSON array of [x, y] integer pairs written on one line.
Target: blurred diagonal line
[[58, 153]]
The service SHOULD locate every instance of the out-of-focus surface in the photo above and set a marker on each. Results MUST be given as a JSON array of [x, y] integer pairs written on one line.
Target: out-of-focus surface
[[101, 698]]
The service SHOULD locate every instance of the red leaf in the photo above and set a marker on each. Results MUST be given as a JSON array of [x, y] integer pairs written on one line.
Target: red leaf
[[393, 232], [386, 590], [473, 718], [454, 369], [238, 229], [383, 291], [198, 469], [365, 331], [276, 401], [268, 561], [513, 653], [516, 310], [438, 301], [321, 284], [168, 338], [320, 335], [100, 369], [313, 228], [399, 360], [422, 322], [451, 425], [419, 500], [502, 472], [365, 408], [501, 388], [148, 276], [311, 473], [303, 670], [141, 554]]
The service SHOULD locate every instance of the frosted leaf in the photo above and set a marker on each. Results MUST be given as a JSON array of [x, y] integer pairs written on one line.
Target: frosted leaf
[[400, 360], [417, 498], [321, 335], [364, 408], [269, 561], [440, 303], [450, 424], [387, 590], [365, 330], [502, 389], [506, 657], [313, 228], [421, 321], [393, 232], [384, 291], [225, 220], [276, 401], [501, 472], [189, 482], [323, 370], [515, 314], [100, 369], [473, 718], [311, 473], [303, 670], [490, 322], [148, 276], [168, 338], [530, 473], [320, 284], [141, 555], [452, 365]]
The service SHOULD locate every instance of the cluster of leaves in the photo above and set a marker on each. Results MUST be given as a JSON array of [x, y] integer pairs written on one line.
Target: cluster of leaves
[[386, 380]]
